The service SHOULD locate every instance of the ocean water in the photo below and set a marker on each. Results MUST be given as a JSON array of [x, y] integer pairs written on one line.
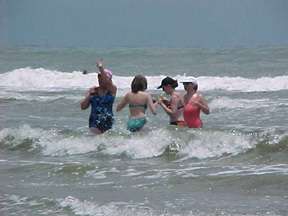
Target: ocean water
[[237, 164]]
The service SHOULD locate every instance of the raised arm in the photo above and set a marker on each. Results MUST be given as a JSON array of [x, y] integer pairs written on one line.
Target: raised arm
[[107, 80], [100, 66]]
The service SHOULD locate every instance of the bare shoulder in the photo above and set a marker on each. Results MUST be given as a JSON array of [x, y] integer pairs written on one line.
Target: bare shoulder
[[145, 94], [94, 90], [113, 89], [199, 95], [127, 95], [140, 94], [176, 96]]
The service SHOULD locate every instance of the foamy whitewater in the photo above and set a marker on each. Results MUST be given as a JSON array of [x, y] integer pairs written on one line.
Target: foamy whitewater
[[237, 164]]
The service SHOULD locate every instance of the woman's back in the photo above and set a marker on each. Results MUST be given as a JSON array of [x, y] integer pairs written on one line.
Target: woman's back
[[137, 103]]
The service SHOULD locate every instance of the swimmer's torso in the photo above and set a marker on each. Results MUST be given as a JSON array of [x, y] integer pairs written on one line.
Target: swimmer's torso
[[191, 115]]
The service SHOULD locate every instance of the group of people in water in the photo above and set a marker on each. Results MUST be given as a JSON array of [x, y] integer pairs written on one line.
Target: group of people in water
[[183, 111]]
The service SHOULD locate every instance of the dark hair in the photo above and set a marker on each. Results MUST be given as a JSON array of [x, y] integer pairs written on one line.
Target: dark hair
[[139, 83], [175, 84], [168, 81], [195, 86]]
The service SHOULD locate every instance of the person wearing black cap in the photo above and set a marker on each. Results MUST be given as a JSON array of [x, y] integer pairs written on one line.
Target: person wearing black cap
[[173, 107]]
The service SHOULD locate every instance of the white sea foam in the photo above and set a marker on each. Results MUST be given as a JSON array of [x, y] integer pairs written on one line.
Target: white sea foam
[[28, 79], [244, 84], [279, 169], [225, 102], [207, 144], [193, 143], [131, 146], [86, 207]]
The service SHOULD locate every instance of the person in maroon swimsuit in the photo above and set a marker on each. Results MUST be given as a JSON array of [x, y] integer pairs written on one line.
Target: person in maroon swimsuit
[[193, 104]]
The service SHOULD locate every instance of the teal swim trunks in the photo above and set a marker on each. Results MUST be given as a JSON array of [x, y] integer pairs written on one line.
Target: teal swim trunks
[[135, 124]]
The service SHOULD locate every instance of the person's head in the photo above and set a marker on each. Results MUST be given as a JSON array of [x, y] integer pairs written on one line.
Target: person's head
[[168, 85], [139, 83], [103, 78], [190, 84]]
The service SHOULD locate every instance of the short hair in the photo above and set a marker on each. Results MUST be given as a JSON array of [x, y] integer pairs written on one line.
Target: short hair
[[175, 84], [139, 83]]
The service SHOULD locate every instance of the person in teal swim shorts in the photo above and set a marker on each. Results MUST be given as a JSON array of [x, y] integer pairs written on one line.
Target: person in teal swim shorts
[[138, 101]]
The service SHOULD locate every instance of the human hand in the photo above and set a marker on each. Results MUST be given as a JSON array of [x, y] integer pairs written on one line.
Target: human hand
[[99, 63], [163, 102], [166, 102], [160, 100]]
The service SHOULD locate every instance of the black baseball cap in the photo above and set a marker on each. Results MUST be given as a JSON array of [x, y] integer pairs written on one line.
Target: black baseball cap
[[168, 81]]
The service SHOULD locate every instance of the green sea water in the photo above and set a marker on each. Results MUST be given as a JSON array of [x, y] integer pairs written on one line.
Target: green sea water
[[235, 165]]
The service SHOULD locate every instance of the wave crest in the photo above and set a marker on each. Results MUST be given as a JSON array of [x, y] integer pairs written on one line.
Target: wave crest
[[40, 79]]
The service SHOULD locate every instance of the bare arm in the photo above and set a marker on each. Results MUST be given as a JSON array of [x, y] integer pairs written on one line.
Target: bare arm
[[122, 103], [85, 103], [151, 105], [204, 106], [108, 82], [201, 102], [173, 109], [100, 67]]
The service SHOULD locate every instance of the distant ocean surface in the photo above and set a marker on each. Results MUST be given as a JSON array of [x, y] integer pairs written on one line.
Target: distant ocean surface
[[237, 164]]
